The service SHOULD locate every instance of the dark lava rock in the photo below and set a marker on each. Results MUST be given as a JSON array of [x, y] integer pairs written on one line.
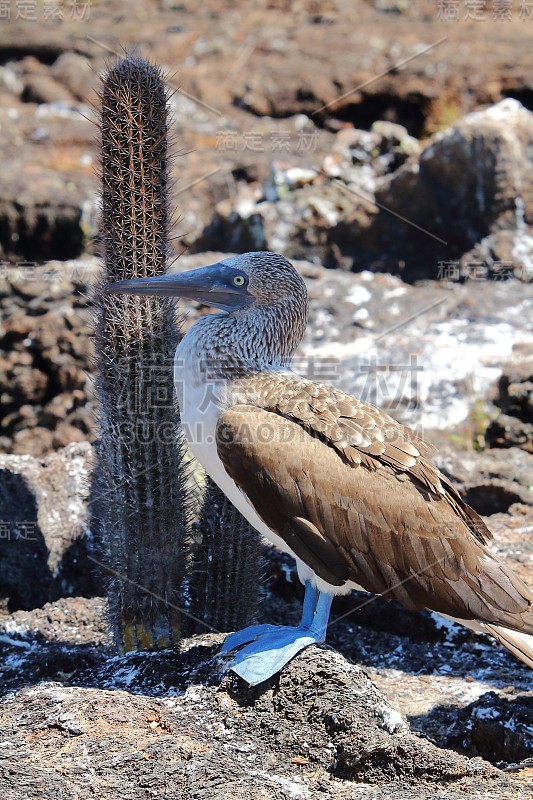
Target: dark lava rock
[[267, 84], [509, 431], [53, 642], [172, 724], [75, 72], [471, 180], [514, 426], [47, 182], [491, 481], [44, 536], [44, 89], [45, 354], [459, 209], [493, 726]]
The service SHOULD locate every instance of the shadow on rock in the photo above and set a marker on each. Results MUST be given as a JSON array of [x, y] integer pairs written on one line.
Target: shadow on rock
[[495, 727], [44, 540]]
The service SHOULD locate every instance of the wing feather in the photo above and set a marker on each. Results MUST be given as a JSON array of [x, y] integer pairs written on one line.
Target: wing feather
[[361, 433], [349, 522]]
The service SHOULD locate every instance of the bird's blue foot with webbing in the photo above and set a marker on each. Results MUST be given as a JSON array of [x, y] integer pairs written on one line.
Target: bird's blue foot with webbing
[[270, 647]]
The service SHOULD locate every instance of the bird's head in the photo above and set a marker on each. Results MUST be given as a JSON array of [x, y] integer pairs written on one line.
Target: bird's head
[[234, 284]]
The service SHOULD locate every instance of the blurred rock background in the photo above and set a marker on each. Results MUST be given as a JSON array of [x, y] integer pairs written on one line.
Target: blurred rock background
[[386, 148]]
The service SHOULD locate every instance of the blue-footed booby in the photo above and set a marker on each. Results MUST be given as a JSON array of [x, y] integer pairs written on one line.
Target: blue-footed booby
[[348, 491]]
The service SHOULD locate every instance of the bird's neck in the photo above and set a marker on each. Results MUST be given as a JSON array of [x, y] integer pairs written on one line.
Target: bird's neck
[[261, 338]]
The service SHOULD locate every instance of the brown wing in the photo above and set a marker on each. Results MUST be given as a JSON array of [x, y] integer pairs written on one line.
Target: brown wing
[[360, 432], [358, 523]]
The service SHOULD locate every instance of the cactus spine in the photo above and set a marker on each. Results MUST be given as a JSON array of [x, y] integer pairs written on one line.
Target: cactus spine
[[141, 500], [226, 569]]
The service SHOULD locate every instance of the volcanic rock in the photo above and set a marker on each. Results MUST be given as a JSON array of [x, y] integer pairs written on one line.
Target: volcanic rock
[[44, 540], [471, 180], [172, 719], [514, 426]]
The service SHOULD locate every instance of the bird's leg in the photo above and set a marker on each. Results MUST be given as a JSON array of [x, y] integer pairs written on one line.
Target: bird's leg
[[319, 625], [271, 650], [310, 601], [252, 632]]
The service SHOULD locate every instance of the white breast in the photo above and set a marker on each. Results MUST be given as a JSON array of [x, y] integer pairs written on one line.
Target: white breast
[[200, 406]]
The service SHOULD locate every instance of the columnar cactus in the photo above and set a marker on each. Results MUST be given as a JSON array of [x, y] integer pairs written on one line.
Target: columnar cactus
[[226, 571], [141, 500]]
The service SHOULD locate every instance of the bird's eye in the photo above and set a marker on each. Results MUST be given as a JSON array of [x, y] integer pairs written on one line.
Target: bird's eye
[[239, 280]]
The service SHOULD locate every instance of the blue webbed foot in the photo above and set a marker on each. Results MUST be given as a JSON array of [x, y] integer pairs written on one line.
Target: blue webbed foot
[[269, 653], [270, 647], [246, 635]]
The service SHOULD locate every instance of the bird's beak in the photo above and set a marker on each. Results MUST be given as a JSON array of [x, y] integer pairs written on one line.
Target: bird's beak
[[210, 286]]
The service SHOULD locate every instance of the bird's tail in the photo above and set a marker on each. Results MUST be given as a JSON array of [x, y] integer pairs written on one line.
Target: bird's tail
[[518, 643]]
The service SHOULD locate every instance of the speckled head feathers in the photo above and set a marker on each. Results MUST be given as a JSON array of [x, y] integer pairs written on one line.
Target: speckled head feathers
[[266, 328], [271, 277]]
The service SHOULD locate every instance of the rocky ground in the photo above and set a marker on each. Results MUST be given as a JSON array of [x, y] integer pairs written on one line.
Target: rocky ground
[[173, 725], [328, 118], [403, 704], [386, 148]]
